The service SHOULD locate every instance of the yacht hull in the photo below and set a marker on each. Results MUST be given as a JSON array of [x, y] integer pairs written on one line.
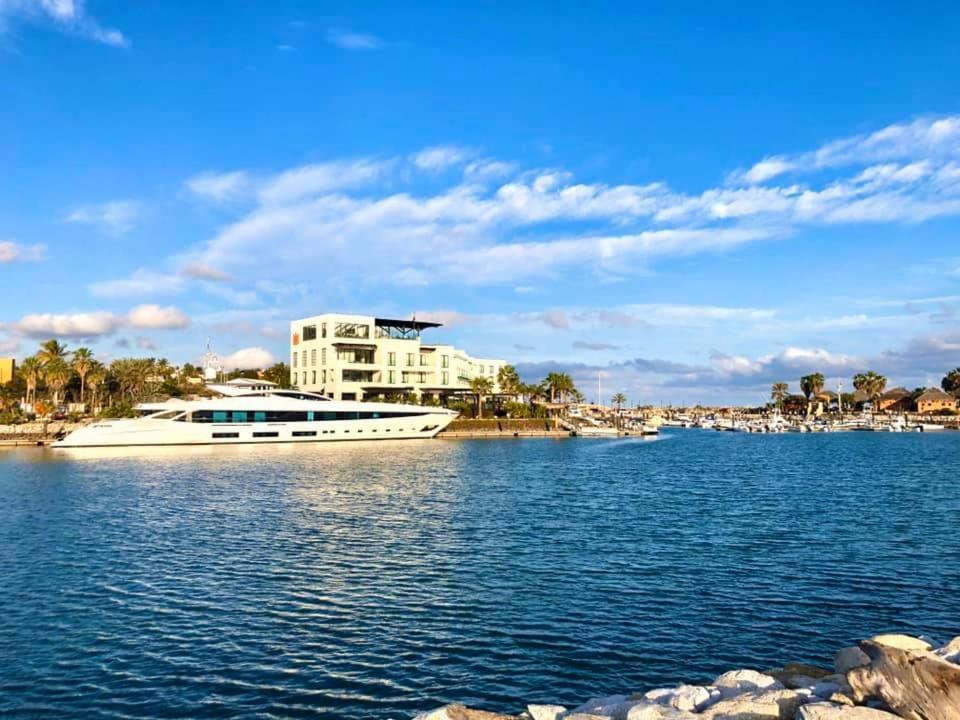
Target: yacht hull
[[146, 432]]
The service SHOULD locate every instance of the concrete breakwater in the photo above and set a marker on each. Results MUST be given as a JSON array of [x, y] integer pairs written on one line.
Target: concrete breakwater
[[888, 677], [35, 433]]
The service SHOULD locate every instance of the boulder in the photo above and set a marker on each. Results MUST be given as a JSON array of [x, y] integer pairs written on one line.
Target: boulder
[[829, 711], [902, 642], [849, 658], [915, 684], [778, 704], [825, 688], [840, 698], [951, 651], [612, 707], [736, 682], [460, 712], [545, 712], [684, 697], [644, 711], [744, 707]]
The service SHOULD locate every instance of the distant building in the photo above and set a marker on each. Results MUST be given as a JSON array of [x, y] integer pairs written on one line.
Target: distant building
[[7, 368], [934, 400], [352, 357], [897, 400]]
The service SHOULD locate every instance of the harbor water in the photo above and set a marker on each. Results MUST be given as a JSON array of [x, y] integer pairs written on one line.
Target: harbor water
[[377, 580]]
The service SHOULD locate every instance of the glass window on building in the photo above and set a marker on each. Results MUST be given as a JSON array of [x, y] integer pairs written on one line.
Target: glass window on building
[[324, 377], [323, 356], [410, 359], [445, 378], [309, 332], [294, 361], [323, 329], [313, 358], [392, 376], [313, 376], [445, 361], [391, 359], [424, 359], [303, 359]]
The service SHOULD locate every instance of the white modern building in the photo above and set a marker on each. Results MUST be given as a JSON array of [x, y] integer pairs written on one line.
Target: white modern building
[[353, 357]]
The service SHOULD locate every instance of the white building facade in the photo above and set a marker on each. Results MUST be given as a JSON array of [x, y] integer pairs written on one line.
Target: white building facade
[[352, 357]]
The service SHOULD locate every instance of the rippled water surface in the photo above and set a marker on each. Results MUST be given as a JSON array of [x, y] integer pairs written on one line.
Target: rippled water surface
[[376, 580]]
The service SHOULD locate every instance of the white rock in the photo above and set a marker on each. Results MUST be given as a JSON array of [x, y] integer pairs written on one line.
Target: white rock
[[903, 642], [684, 697], [779, 704], [951, 651], [644, 711], [615, 707], [545, 712], [438, 714], [736, 682], [825, 688], [829, 711], [849, 658]]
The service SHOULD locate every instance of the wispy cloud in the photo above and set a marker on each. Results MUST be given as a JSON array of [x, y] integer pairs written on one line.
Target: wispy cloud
[[596, 346], [220, 187], [440, 157], [15, 252], [349, 40], [115, 218], [68, 16]]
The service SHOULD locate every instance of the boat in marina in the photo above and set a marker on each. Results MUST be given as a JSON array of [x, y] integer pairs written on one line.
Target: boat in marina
[[261, 414]]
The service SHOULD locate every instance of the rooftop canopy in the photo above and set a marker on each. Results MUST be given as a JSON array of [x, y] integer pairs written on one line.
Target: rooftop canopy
[[402, 329]]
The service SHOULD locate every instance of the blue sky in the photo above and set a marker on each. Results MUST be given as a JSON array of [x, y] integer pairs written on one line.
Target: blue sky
[[693, 200]]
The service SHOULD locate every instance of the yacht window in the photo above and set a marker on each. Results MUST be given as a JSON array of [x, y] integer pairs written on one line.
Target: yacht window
[[239, 416], [305, 433], [266, 434], [220, 416], [225, 435], [259, 417]]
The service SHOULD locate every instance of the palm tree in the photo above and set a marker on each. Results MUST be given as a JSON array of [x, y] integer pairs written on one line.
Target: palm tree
[[481, 386], [951, 381], [508, 380], [871, 383], [553, 382], [82, 362], [57, 373], [816, 383], [31, 370], [51, 350], [618, 399], [96, 377], [806, 386], [778, 393]]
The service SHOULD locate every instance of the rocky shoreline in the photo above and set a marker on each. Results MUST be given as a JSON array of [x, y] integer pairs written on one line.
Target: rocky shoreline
[[887, 677]]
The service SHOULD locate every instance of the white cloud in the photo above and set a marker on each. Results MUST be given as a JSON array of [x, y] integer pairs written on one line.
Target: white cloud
[[439, 158], [348, 40], [96, 324], [79, 325], [220, 187], [501, 225], [308, 180], [69, 16], [15, 252], [924, 137], [155, 317], [115, 218], [248, 359]]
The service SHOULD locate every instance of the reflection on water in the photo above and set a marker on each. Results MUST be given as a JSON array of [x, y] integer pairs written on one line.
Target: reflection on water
[[378, 579]]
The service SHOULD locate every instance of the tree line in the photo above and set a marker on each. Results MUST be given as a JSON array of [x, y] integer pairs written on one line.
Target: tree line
[[56, 375], [870, 383]]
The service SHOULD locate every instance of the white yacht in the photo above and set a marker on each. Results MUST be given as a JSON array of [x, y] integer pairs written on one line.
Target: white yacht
[[258, 412]]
